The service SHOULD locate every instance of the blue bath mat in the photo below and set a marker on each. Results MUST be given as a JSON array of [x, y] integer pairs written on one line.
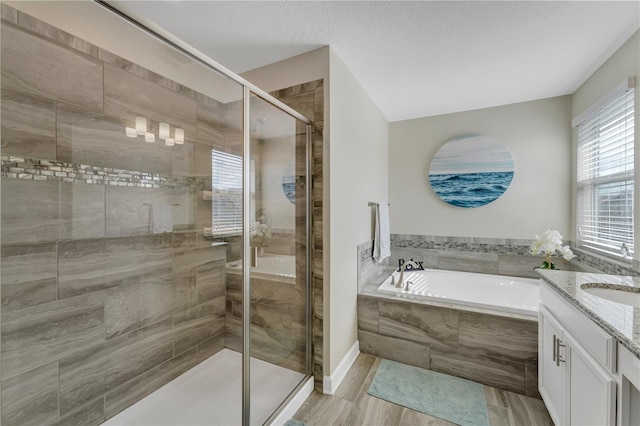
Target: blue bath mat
[[450, 398]]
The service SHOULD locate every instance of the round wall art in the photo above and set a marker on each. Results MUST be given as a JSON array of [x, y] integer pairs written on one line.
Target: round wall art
[[471, 170], [289, 182]]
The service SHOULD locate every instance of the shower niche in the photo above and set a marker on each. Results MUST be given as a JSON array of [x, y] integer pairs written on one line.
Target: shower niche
[[130, 178]]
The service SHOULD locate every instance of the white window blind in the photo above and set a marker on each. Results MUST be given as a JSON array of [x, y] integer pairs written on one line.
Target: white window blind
[[226, 188], [605, 170]]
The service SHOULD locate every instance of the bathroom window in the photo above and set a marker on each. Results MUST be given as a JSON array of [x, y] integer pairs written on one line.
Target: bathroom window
[[605, 170], [226, 193], [226, 197]]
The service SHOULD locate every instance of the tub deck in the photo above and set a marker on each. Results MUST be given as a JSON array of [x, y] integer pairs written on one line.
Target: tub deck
[[497, 293]]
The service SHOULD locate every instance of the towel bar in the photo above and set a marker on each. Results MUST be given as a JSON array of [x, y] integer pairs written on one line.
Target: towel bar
[[371, 203]]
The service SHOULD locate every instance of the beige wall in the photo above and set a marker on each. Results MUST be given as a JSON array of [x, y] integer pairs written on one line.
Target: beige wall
[[358, 174], [299, 69], [537, 134], [625, 62]]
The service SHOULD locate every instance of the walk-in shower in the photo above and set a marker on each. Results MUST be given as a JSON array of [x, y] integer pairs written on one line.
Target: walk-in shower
[[155, 229]]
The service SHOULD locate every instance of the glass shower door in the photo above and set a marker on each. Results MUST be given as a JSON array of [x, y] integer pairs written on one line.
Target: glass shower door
[[279, 294], [118, 275]]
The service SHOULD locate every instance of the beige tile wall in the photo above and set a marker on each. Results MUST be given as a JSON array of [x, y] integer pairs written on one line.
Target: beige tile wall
[[97, 311]]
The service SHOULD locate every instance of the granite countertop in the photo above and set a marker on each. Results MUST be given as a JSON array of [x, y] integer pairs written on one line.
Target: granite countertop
[[620, 320]]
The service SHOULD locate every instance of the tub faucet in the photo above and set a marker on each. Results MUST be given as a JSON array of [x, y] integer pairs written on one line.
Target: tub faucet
[[400, 282]]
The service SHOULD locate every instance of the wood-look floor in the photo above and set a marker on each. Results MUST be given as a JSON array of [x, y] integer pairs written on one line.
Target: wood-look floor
[[351, 405]]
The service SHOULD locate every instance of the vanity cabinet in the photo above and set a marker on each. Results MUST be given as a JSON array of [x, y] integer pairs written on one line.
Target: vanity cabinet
[[550, 367], [592, 391], [575, 364]]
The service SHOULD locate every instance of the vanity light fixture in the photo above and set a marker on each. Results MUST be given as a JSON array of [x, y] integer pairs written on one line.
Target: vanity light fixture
[[141, 126], [164, 132], [179, 136]]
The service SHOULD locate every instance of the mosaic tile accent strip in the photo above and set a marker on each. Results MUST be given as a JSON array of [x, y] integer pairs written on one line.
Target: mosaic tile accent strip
[[35, 169], [505, 246], [604, 265], [472, 244]]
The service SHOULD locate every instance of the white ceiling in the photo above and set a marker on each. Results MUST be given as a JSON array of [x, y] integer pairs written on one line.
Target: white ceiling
[[415, 59]]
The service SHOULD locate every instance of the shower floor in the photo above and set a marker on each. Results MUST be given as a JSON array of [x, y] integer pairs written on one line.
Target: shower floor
[[211, 394]]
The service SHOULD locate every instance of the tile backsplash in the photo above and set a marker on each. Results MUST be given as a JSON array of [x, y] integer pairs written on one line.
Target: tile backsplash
[[470, 254]]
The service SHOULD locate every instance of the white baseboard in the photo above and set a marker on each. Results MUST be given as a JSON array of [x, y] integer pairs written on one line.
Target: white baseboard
[[330, 383]]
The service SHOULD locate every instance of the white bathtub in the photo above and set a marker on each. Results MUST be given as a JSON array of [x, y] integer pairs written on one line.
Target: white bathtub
[[279, 265], [488, 292]]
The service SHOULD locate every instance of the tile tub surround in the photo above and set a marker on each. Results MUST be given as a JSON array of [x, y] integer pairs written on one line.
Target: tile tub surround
[[494, 350], [472, 254], [619, 320], [368, 269]]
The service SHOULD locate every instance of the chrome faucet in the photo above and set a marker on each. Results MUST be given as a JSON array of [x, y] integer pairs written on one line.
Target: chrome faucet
[[400, 282], [624, 250]]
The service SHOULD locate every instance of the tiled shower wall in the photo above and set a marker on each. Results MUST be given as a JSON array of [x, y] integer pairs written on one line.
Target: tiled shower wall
[[97, 311], [308, 99]]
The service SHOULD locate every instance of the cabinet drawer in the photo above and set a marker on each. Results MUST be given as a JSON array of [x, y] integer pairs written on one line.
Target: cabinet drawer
[[601, 345]]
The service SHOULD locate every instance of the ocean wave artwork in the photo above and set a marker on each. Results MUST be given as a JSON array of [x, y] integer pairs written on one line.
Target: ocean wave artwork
[[289, 182], [471, 171]]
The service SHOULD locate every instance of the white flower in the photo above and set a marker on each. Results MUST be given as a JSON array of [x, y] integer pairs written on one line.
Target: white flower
[[566, 253], [549, 243], [258, 229]]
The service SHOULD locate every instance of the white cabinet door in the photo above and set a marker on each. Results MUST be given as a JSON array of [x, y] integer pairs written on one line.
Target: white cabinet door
[[592, 391], [550, 370]]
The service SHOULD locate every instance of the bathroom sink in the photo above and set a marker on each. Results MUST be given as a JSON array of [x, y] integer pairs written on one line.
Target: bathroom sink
[[624, 295]]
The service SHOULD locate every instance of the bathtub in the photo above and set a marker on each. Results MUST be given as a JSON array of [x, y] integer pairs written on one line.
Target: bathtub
[[269, 265], [495, 293]]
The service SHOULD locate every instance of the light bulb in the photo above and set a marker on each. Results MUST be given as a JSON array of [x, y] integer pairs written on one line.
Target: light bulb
[[141, 126], [179, 136], [130, 132], [164, 131], [150, 137], [169, 141]]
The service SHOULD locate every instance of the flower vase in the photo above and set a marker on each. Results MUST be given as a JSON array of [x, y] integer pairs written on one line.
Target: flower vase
[[261, 251]]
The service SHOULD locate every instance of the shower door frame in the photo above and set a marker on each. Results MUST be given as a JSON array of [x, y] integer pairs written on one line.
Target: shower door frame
[[246, 258], [248, 89]]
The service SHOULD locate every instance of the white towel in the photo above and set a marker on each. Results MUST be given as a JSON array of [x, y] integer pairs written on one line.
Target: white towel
[[161, 217], [382, 242]]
